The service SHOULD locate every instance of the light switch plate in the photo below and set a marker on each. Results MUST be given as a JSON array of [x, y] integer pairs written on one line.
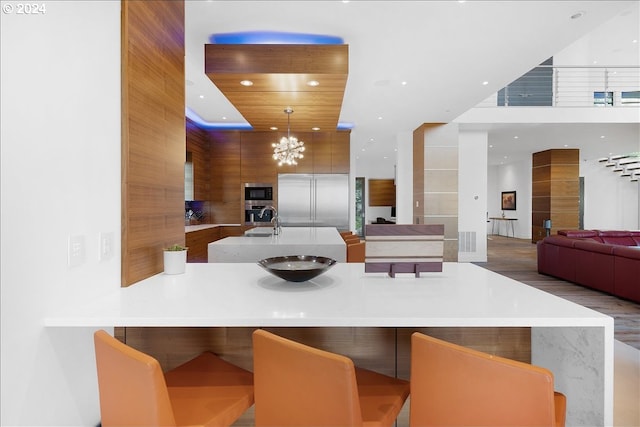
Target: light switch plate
[[106, 246], [76, 251]]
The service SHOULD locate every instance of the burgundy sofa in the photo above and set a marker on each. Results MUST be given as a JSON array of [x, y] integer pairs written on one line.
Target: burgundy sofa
[[605, 260]]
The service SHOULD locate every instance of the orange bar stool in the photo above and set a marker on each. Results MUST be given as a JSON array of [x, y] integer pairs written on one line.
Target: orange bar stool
[[354, 238], [301, 386], [453, 385], [205, 391], [356, 252]]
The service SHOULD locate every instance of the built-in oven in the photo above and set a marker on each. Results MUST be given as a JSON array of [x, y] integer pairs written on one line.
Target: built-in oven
[[258, 192], [252, 213]]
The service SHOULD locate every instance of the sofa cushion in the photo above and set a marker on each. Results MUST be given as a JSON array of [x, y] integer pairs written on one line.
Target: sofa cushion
[[595, 265], [635, 235], [617, 237], [560, 241], [581, 234], [626, 283], [578, 233], [559, 257]]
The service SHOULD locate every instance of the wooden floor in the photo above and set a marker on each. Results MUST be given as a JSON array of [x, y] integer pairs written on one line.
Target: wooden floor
[[517, 259]]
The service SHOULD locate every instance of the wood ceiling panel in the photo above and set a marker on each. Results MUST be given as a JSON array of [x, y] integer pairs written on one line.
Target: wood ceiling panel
[[280, 74], [279, 82]]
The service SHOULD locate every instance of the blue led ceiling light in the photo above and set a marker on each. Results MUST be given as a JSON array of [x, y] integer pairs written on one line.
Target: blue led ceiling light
[[273, 37], [203, 124]]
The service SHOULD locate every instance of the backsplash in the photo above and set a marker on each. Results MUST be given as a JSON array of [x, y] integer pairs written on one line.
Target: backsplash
[[196, 212]]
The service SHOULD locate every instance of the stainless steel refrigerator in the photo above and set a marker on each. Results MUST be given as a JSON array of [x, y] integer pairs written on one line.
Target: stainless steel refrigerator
[[313, 200]]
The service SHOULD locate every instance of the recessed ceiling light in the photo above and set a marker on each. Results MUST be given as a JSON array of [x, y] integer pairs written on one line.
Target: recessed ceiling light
[[403, 83], [201, 96], [224, 118], [315, 128], [491, 146], [273, 128], [516, 137], [364, 149], [601, 136], [485, 83], [379, 117], [313, 83], [577, 15], [634, 41], [246, 83]]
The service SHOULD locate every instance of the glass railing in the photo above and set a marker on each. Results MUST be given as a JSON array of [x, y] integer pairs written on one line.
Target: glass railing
[[561, 86]]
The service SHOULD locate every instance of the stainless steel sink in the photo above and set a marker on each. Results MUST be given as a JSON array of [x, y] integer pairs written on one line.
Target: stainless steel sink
[[259, 232]]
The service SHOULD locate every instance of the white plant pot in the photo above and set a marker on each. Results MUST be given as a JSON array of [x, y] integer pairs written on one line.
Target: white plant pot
[[175, 262]]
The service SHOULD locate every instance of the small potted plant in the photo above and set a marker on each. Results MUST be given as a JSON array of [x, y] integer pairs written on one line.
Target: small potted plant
[[175, 259]]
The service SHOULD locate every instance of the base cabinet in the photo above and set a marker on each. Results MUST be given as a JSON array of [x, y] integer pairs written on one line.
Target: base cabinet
[[197, 242]]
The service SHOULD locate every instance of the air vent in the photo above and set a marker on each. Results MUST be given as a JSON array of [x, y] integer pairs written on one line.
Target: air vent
[[467, 241]]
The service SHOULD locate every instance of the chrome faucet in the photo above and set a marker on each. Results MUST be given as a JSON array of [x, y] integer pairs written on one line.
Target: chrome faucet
[[275, 220]]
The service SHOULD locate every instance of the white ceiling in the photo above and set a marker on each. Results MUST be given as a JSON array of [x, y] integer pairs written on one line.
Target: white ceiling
[[443, 50]]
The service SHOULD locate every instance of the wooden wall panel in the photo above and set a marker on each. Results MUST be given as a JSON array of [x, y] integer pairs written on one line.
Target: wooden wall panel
[[382, 192], [237, 157], [341, 152], [321, 152], [153, 134], [226, 184], [198, 146], [555, 196]]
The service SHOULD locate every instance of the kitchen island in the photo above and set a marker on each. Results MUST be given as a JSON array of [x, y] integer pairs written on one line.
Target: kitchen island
[[318, 241], [574, 342]]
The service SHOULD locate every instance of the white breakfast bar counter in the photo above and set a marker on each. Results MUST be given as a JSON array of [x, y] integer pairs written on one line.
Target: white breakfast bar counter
[[574, 342]]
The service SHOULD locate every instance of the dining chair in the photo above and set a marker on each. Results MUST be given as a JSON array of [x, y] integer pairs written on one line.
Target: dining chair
[[302, 386], [452, 385], [205, 391]]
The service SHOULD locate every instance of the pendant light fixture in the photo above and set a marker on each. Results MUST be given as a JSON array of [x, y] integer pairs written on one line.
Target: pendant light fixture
[[289, 148]]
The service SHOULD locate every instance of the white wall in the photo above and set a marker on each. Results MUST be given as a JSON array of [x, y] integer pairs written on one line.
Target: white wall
[[472, 193], [404, 178], [512, 177], [60, 169]]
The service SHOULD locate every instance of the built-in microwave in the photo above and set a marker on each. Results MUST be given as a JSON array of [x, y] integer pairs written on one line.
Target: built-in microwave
[[257, 191]]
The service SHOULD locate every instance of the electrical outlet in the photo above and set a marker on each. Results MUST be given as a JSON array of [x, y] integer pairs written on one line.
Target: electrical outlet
[[106, 246], [76, 251]]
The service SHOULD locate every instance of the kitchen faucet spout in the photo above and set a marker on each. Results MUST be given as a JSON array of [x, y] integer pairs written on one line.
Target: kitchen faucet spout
[[275, 220]]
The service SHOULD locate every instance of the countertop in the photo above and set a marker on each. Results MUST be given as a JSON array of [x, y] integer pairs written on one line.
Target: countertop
[[244, 294], [319, 241], [190, 228]]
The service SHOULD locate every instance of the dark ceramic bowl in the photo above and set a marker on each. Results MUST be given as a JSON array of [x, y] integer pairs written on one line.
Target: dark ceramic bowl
[[297, 268]]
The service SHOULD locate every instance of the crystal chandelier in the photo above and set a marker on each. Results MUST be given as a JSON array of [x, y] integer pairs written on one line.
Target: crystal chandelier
[[289, 148]]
